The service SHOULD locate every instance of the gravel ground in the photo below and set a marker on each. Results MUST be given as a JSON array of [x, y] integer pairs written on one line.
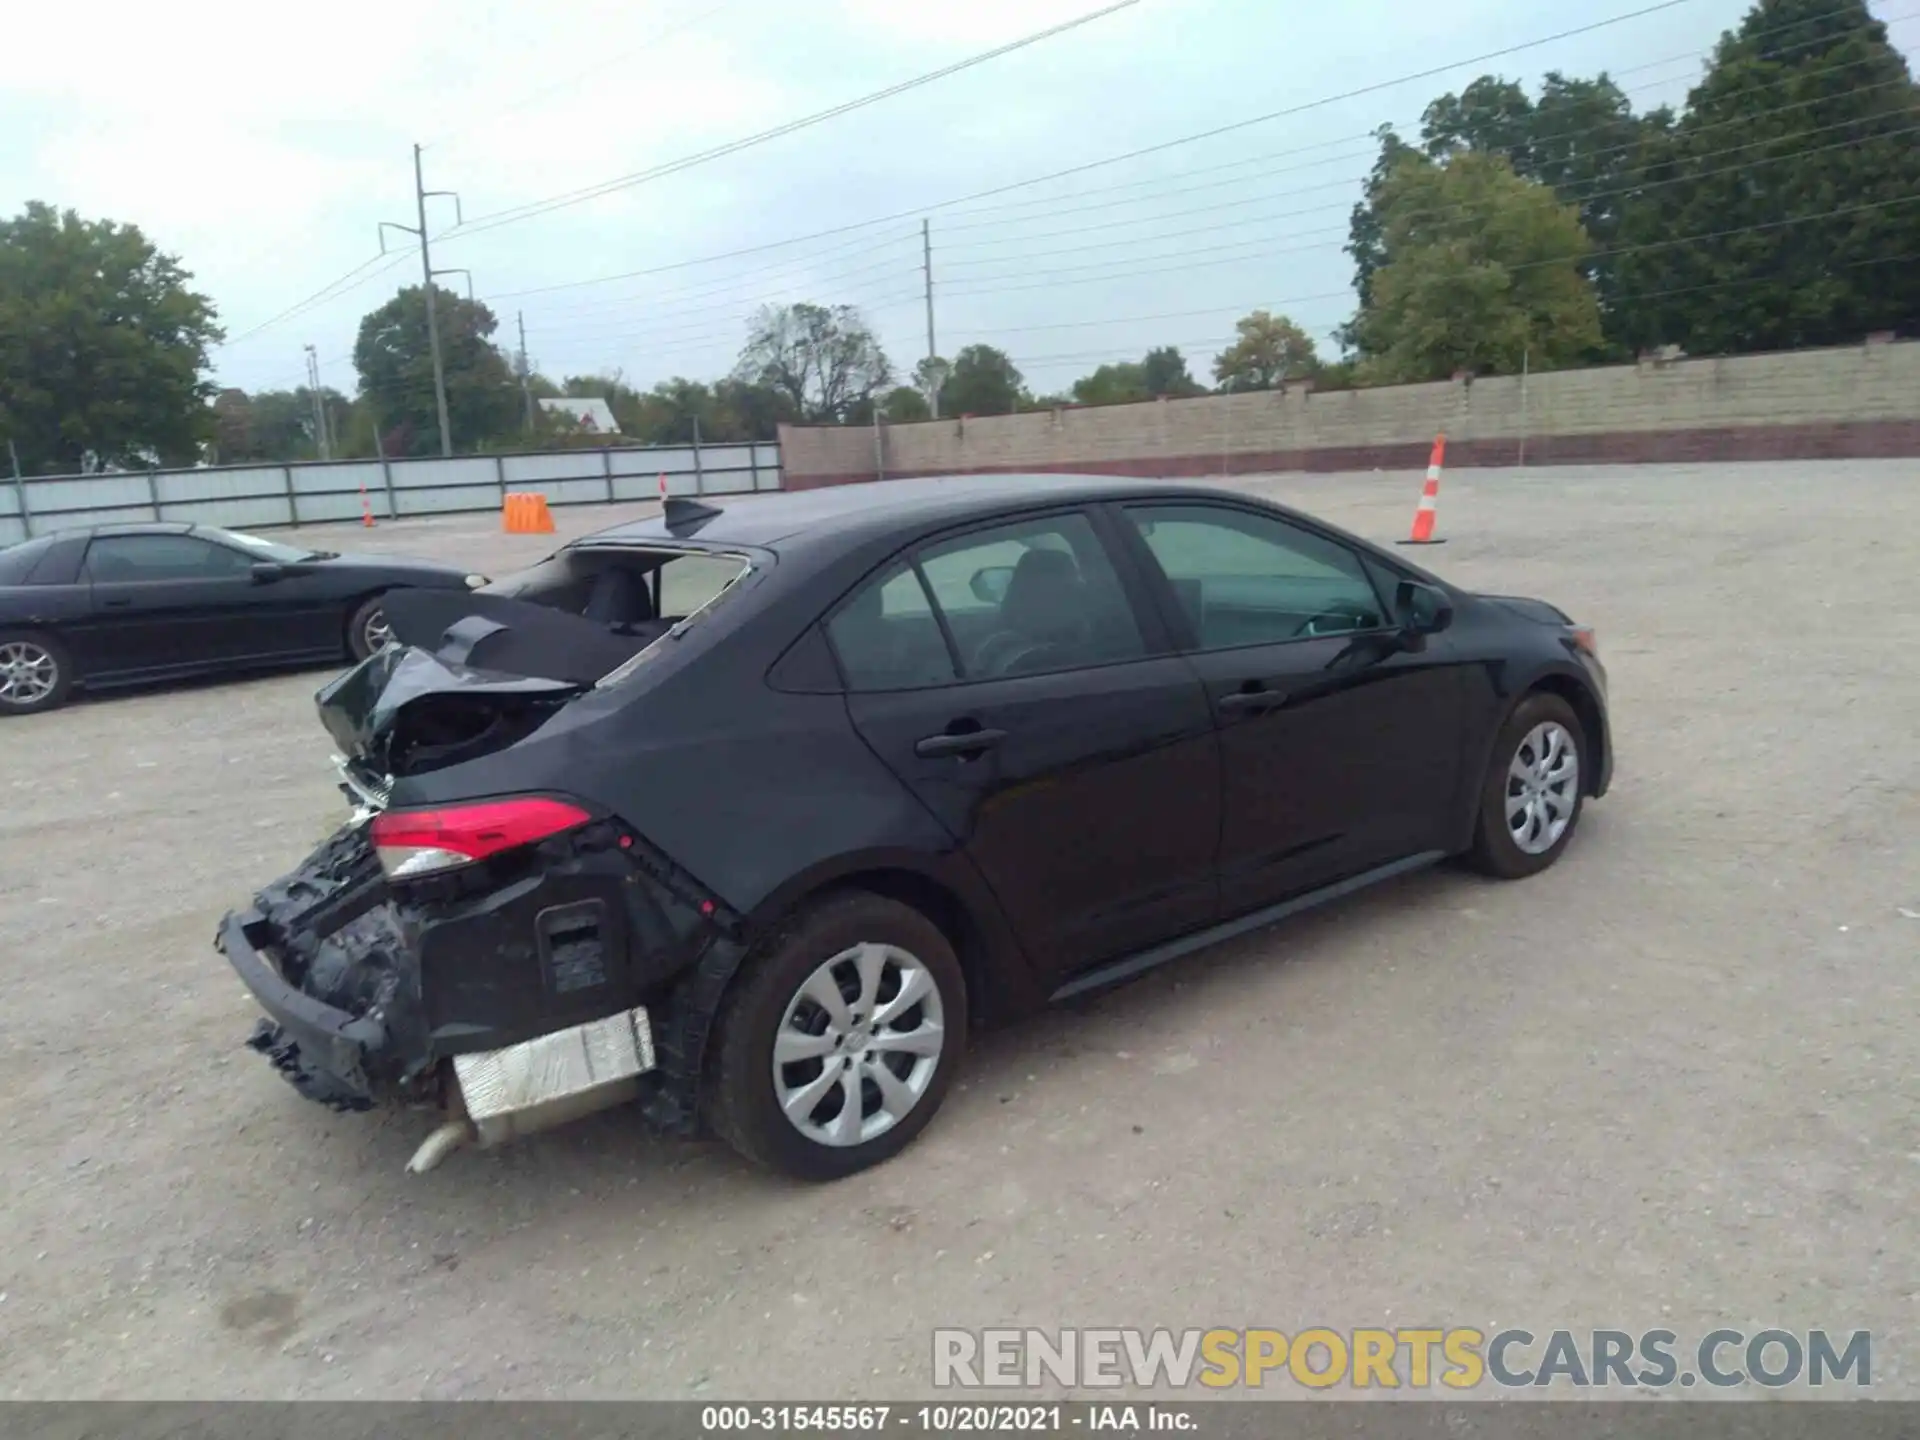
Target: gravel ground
[[1670, 1082]]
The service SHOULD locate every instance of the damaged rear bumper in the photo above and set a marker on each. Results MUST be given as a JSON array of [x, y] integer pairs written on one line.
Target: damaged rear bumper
[[327, 1054], [515, 996]]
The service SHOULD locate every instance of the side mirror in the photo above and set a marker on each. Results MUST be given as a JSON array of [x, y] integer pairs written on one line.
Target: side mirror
[[991, 583], [1421, 609], [265, 572]]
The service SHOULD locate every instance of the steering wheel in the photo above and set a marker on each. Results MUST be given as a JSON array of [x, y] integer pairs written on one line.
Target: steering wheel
[[1005, 651]]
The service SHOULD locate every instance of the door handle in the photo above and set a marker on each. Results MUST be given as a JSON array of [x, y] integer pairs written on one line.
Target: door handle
[[968, 742], [1252, 702], [121, 603]]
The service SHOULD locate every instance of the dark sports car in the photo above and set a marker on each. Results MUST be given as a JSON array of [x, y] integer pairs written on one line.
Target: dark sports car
[[121, 604], [752, 813]]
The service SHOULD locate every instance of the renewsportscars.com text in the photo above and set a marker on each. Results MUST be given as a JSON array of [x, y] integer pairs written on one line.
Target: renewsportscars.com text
[[1456, 1358]]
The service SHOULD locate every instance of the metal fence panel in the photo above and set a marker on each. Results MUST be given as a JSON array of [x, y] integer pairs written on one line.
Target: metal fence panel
[[727, 482], [189, 486], [44, 524], [635, 487], [568, 492], [419, 474], [651, 462], [438, 500], [83, 492], [350, 476], [527, 471], [727, 457], [265, 496]]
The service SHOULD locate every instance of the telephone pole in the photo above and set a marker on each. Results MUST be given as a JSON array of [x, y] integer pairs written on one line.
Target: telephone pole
[[427, 274], [926, 266], [322, 438], [526, 389]]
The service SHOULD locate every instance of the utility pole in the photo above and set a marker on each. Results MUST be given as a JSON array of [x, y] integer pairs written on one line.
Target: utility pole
[[1526, 368], [322, 436], [926, 266], [427, 274], [526, 389]]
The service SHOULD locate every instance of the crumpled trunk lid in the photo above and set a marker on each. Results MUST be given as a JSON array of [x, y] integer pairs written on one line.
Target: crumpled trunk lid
[[467, 675]]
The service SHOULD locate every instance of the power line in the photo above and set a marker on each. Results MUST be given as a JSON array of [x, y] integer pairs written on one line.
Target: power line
[[1049, 283], [917, 211], [673, 167], [1442, 211], [647, 43], [684, 312], [732, 283], [1344, 181], [1368, 137], [509, 216]]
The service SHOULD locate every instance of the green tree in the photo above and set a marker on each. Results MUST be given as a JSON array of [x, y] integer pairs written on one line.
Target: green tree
[[1164, 372], [1116, 384], [1366, 234], [1818, 110], [982, 381], [752, 412], [1580, 137], [824, 359], [904, 404], [1270, 350], [278, 425], [1482, 268], [103, 347], [395, 363]]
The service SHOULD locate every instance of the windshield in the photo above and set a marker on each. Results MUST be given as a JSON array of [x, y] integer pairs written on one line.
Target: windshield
[[265, 549]]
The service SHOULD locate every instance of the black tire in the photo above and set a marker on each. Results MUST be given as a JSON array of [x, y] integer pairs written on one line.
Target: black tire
[[50, 650], [370, 610], [1496, 850], [740, 1098]]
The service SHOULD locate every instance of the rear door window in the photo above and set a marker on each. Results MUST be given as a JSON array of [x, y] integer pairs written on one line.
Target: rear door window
[[17, 561], [888, 638], [1033, 597]]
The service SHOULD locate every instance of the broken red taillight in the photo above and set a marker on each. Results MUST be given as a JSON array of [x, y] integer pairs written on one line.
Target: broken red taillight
[[425, 842]]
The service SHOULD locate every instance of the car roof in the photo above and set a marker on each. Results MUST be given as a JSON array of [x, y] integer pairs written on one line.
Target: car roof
[[857, 510]]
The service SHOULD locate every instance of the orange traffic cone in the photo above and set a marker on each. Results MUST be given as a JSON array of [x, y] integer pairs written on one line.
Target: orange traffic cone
[[1424, 516], [663, 487], [366, 509]]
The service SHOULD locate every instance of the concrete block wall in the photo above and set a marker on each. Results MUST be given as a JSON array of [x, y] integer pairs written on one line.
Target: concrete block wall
[[1855, 402]]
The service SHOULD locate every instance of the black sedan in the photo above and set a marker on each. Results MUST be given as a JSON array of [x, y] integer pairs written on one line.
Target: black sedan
[[122, 604], [753, 813]]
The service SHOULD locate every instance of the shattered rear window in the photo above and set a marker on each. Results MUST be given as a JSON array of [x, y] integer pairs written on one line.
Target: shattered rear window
[[708, 578]]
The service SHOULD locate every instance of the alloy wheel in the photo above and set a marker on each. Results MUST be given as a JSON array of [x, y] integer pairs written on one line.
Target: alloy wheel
[[28, 673], [1543, 786], [377, 633], [858, 1045]]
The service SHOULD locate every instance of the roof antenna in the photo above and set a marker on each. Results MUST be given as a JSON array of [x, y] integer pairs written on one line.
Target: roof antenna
[[685, 516]]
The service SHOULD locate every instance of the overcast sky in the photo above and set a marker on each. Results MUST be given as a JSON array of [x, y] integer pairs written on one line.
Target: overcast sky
[[264, 144]]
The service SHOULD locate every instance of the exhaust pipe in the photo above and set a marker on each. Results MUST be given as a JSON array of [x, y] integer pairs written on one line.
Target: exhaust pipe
[[440, 1144], [506, 1094]]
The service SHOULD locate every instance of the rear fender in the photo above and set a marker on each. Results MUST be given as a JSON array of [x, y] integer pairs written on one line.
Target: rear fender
[[951, 893]]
